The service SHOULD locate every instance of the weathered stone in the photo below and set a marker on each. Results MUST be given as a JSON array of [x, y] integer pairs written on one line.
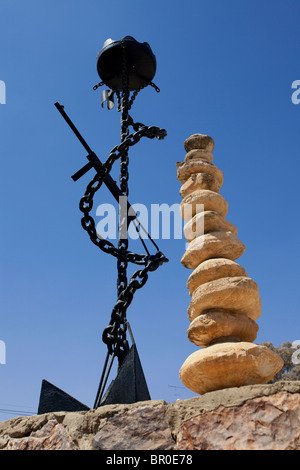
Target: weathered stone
[[142, 428], [205, 222], [212, 245], [52, 436], [229, 365], [199, 181], [192, 204], [186, 169], [216, 325], [237, 294], [182, 411], [213, 269], [197, 154], [264, 423], [244, 417], [70, 431], [199, 141]]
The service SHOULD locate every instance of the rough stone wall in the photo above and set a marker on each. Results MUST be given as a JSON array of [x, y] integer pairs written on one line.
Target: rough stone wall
[[257, 417]]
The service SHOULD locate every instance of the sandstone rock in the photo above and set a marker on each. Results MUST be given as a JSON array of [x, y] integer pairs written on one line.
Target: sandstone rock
[[225, 301], [254, 417], [199, 181], [51, 436], [199, 141], [82, 430], [197, 154], [212, 245], [229, 365], [237, 294], [213, 269], [262, 423], [187, 168], [205, 222], [141, 428], [192, 204], [217, 325], [182, 411]]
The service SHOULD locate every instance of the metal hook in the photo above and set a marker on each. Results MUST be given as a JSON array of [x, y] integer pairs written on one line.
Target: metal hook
[[108, 97]]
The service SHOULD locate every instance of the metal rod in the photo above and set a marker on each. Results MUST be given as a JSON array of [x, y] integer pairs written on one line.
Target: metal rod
[[101, 380], [82, 171], [130, 331], [93, 160], [140, 237], [108, 181], [103, 385], [148, 235], [76, 132]]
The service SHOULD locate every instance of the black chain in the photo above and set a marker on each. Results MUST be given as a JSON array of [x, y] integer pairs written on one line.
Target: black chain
[[114, 335], [86, 202], [124, 176], [97, 86]]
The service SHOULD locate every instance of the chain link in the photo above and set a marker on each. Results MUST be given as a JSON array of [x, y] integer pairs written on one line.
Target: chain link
[[124, 177], [86, 202], [97, 85], [114, 335]]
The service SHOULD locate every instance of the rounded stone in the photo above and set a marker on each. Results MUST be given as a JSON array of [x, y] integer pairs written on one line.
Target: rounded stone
[[186, 169], [199, 181], [197, 154], [212, 245], [205, 222], [192, 204], [213, 269], [199, 141], [238, 294], [216, 324], [229, 365]]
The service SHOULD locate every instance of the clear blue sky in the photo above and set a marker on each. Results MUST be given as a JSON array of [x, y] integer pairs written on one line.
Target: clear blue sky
[[224, 69]]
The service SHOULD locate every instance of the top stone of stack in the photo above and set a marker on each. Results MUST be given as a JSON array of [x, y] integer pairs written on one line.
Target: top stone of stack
[[199, 142]]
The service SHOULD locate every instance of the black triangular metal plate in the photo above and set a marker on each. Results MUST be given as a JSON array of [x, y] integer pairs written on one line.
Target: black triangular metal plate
[[130, 385], [54, 399]]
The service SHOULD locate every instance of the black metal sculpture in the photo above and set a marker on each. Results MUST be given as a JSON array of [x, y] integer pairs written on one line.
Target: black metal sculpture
[[124, 66]]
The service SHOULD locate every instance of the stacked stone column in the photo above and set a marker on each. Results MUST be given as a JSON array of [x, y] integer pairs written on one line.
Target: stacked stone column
[[225, 301]]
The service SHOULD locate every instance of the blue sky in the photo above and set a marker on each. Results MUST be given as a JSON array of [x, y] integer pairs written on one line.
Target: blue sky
[[224, 69]]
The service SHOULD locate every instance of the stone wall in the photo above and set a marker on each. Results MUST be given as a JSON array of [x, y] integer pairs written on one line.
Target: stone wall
[[256, 417]]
